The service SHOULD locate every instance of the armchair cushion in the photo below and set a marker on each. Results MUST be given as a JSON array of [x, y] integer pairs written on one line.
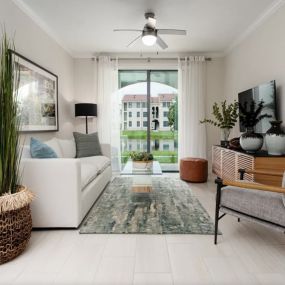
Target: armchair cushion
[[264, 205], [99, 162]]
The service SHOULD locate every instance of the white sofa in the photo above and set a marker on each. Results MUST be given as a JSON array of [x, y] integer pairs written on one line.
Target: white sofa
[[65, 187]]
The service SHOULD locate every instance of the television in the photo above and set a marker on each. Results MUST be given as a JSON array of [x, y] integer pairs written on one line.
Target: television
[[265, 92]]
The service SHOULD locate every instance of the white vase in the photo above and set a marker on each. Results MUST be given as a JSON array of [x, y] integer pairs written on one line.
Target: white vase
[[275, 139], [250, 141]]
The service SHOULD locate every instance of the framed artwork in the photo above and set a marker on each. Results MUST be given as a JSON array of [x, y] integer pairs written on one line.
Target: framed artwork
[[37, 96]]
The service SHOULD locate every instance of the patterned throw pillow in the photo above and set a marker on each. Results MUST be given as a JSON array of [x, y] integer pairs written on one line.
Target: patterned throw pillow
[[41, 150], [87, 144]]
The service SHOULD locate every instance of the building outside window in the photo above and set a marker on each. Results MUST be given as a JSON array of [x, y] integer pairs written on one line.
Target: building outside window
[[130, 124], [165, 123], [125, 106], [130, 114], [138, 124], [144, 114], [138, 104], [165, 146], [143, 104], [145, 124], [125, 116], [138, 114], [165, 114], [130, 104]]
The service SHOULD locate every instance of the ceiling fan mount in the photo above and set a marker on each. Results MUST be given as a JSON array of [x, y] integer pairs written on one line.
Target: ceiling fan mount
[[150, 34]]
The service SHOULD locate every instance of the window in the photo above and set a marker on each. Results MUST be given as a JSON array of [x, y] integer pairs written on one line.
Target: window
[[125, 106], [125, 125], [130, 114], [165, 146], [138, 104], [130, 146], [138, 114], [138, 146], [145, 124], [165, 114], [165, 124], [144, 114], [130, 104], [138, 124], [143, 104], [130, 124], [164, 104], [125, 116], [168, 104]]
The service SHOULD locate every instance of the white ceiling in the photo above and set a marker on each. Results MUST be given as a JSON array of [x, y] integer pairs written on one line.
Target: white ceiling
[[86, 27]]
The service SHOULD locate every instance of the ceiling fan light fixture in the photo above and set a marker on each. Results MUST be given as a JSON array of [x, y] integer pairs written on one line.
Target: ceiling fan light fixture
[[149, 40]]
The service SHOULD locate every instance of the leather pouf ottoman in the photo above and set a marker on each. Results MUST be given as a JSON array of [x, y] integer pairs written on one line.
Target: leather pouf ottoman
[[194, 169]]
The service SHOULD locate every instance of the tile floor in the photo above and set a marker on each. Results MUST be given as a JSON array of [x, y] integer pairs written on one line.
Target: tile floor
[[246, 254]]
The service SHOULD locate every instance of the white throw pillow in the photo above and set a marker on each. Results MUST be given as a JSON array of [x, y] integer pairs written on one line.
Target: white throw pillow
[[68, 148], [55, 146]]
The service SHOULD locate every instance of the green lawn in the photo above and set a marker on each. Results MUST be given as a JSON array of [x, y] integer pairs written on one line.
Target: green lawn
[[153, 134]]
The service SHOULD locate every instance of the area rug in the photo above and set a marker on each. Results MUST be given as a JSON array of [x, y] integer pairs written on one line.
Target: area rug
[[170, 208]]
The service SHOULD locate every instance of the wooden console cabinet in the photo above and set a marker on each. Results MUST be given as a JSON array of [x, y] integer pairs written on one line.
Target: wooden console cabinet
[[226, 162]]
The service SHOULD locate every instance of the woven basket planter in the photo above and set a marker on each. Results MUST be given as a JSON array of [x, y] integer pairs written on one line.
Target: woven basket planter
[[15, 223]]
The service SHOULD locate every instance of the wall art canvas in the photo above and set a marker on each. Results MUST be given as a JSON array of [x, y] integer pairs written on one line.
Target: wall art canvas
[[37, 96]]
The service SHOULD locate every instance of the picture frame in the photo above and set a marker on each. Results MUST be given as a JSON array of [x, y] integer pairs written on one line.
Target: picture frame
[[37, 96]]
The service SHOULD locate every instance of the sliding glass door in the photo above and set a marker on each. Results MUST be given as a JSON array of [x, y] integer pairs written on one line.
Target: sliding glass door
[[149, 114]]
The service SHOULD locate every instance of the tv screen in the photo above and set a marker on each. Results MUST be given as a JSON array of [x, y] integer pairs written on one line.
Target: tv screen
[[267, 93]]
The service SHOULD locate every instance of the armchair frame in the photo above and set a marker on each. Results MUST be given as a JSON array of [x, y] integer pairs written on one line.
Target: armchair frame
[[221, 183]]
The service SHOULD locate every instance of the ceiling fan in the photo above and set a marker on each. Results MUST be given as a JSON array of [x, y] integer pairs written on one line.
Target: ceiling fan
[[150, 34]]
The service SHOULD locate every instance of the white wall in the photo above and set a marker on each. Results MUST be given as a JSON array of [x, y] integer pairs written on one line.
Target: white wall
[[32, 42], [259, 58], [215, 93], [85, 90]]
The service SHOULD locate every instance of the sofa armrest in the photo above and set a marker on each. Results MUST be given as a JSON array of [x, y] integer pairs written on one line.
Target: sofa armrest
[[106, 149], [57, 186]]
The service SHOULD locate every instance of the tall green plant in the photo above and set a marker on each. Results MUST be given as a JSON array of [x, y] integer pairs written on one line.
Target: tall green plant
[[9, 121], [225, 115]]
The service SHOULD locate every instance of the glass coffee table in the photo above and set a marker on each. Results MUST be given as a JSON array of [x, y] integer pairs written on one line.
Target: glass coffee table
[[142, 176]]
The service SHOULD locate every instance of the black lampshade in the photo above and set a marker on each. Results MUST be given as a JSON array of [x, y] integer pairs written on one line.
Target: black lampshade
[[85, 110]]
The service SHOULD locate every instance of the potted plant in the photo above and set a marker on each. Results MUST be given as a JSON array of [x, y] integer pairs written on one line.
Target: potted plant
[[225, 118], [250, 115], [141, 160], [15, 214]]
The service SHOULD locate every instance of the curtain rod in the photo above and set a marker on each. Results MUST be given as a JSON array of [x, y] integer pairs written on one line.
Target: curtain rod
[[152, 58]]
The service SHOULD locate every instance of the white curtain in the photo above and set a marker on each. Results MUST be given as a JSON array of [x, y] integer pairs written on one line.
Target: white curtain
[[191, 107], [108, 116]]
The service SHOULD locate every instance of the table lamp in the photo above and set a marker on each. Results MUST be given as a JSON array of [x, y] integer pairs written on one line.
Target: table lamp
[[86, 110]]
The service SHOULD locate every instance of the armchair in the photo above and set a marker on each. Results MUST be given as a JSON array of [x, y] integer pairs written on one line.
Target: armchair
[[251, 201]]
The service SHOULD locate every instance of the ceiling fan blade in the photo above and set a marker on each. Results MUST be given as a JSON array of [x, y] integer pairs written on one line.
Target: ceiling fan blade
[[161, 42], [133, 41], [126, 30], [171, 32]]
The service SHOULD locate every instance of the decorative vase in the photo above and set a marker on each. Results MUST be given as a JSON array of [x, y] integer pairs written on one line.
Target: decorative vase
[[15, 223], [250, 141], [275, 139], [225, 133]]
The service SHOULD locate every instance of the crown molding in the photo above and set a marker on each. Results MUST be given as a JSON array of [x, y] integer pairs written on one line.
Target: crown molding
[[255, 25], [38, 21]]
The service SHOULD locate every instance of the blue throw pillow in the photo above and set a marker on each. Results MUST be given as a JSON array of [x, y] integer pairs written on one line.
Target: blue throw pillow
[[41, 150]]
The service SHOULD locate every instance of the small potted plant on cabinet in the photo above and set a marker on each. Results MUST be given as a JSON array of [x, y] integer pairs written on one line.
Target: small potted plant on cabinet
[[15, 199], [250, 116], [225, 118], [141, 160]]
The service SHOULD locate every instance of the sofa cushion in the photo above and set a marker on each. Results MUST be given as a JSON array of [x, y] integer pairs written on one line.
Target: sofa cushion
[[100, 162], [67, 147], [41, 150], [264, 205], [88, 173], [87, 144], [53, 143]]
